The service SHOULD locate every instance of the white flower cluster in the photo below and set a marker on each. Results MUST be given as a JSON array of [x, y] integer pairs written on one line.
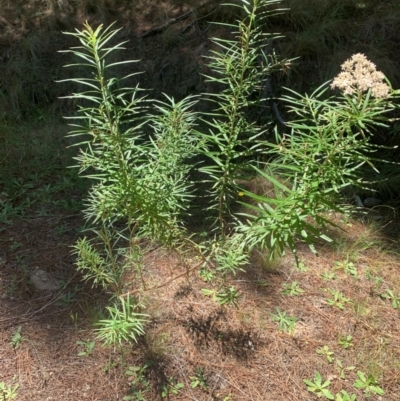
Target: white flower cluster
[[359, 75]]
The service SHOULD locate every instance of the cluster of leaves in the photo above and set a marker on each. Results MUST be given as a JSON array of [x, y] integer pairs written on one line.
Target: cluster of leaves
[[8, 391], [320, 387], [138, 381], [286, 323]]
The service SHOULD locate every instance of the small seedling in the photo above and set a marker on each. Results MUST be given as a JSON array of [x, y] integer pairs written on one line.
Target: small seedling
[[301, 266], [341, 370], [327, 276], [206, 274], [338, 300], [137, 374], [12, 287], [139, 383], [226, 398], [345, 396], [135, 395], [17, 338], [8, 392], [346, 342], [123, 325], [292, 289], [171, 387], [348, 267], [326, 352], [378, 282], [110, 364], [22, 263], [88, 347], [228, 296], [368, 384], [199, 380], [65, 299], [15, 245], [61, 229], [318, 387], [371, 277], [388, 294], [286, 323], [225, 296]]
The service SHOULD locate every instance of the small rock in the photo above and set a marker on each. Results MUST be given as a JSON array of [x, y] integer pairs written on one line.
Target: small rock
[[372, 202], [43, 280]]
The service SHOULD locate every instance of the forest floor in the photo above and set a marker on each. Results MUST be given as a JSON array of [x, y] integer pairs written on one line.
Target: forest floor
[[194, 347]]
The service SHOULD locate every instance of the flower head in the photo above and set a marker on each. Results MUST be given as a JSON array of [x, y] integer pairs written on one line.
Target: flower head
[[359, 75]]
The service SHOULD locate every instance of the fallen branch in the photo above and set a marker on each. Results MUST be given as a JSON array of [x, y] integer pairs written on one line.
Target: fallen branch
[[161, 28]]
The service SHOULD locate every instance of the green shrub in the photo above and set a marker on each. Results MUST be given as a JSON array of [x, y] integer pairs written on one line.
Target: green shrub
[[139, 159]]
